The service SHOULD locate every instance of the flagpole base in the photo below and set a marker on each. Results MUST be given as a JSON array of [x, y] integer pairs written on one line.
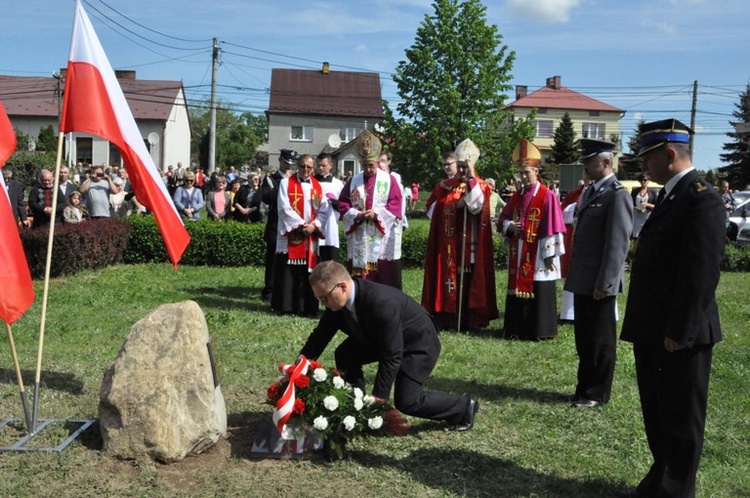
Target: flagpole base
[[24, 444]]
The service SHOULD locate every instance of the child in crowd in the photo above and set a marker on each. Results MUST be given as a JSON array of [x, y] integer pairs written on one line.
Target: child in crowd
[[74, 212]]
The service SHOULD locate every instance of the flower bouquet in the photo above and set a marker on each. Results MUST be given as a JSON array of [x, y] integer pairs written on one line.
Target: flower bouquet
[[307, 396]]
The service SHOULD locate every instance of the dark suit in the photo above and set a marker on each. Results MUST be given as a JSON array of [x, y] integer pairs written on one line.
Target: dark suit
[[66, 189], [601, 243], [673, 281], [395, 331], [37, 205], [15, 195], [269, 194]]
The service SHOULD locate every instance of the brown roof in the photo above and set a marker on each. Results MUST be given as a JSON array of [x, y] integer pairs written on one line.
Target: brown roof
[[561, 98], [338, 93], [37, 96]]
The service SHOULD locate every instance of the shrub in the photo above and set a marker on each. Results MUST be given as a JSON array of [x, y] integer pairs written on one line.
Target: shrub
[[88, 245], [736, 258]]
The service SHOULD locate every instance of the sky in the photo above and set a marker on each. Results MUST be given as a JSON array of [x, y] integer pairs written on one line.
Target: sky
[[642, 56]]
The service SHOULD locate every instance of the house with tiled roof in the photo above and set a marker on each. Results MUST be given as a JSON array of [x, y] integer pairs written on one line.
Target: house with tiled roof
[[313, 111], [591, 118], [158, 106]]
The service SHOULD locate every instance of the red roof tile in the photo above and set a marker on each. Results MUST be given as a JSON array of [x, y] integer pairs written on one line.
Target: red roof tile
[[561, 98], [36, 96], [338, 93]]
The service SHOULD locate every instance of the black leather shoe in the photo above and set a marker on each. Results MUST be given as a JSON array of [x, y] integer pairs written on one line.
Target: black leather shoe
[[586, 403], [631, 493], [468, 421]]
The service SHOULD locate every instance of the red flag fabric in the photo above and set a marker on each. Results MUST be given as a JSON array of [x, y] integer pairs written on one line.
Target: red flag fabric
[[16, 289], [94, 103]]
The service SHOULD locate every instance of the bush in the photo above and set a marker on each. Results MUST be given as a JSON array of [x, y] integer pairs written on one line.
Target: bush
[[736, 258], [83, 246]]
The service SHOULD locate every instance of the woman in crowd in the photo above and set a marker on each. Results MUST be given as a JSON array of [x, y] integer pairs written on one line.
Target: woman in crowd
[[217, 200], [644, 199]]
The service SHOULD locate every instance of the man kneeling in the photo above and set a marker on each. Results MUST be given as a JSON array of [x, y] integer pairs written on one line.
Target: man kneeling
[[385, 325]]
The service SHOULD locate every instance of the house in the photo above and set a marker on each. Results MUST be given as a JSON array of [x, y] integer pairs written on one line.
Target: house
[[591, 118], [315, 111], [159, 108]]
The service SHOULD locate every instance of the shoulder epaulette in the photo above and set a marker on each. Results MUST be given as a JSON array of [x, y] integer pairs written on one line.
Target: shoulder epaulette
[[699, 186], [617, 185]]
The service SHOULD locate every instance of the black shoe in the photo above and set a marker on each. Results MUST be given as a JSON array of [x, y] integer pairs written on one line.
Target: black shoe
[[631, 493], [586, 403], [468, 421]]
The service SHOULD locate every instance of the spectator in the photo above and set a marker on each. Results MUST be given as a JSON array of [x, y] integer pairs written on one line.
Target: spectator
[[96, 190], [496, 202], [40, 201], [644, 199], [15, 196], [120, 204], [414, 195], [75, 211], [66, 186], [726, 196], [218, 200], [189, 200]]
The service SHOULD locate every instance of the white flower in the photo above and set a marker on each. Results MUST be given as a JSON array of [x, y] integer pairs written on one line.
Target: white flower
[[369, 400], [319, 374], [375, 423], [358, 394], [338, 382], [320, 423], [358, 404], [331, 403], [349, 422]]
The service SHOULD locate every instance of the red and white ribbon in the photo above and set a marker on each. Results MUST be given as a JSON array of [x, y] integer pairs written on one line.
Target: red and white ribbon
[[285, 404]]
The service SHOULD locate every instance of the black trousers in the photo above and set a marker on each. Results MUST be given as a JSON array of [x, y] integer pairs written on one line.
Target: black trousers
[[409, 395], [596, 344], [267, 291], [673, 388], [328, 253]]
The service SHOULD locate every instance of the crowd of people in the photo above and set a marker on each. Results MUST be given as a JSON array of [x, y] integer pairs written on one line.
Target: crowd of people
[[670, 317]]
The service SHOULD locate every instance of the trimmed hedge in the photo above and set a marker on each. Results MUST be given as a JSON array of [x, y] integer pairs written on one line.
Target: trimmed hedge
[[88, 245]]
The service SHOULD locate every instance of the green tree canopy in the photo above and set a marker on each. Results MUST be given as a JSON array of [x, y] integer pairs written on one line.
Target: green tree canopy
[[452, 86], [737, 153], [565, 148]]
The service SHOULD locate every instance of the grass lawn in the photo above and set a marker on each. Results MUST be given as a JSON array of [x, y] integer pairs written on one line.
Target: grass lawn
[[527, 440]]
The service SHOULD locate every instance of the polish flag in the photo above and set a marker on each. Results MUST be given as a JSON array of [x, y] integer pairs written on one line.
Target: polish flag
[[16, 289], [93, 103]]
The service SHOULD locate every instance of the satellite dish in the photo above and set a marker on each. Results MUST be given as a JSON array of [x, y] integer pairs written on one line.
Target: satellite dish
[[334, 140], [153, 138]]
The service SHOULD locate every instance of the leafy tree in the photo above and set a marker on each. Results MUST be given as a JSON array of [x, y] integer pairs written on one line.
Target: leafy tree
[[565, 148], [47, 141], [738, 150], [237, 135], [27, 164], [452, 87]]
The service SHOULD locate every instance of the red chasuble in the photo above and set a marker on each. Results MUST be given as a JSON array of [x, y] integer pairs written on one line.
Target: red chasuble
[[442, 278], [303, 248], [521, 276]]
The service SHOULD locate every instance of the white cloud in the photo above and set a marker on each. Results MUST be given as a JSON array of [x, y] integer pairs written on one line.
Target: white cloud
[[361, 48], [665, 27], [546, 11]]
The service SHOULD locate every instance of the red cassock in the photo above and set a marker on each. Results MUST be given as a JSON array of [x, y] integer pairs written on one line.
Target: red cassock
[[442, 278]]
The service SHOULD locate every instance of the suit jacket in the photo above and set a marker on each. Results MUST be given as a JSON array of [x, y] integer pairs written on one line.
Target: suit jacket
[[15, 195], [602, 240], [270, 193], [651, 195], [392, 324], [676, 268], [36, 204], [70, 187]]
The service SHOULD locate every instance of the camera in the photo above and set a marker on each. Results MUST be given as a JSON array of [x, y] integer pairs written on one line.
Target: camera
[[100, 175]]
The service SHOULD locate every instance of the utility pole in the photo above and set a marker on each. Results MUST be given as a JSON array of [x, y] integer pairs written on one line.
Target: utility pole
[[212, 126], [692, 116]]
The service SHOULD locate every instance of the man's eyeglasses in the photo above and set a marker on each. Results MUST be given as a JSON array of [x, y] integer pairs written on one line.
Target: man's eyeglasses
[[445, 165], [325, 298]]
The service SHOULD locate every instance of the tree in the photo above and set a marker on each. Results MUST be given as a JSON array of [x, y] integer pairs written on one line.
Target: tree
[[565, 148], [452, 87], [237, 135], [738, 150], [46, 140]]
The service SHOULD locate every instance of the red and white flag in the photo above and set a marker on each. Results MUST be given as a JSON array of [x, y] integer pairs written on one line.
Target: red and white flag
[[16, 289], [94, 103]]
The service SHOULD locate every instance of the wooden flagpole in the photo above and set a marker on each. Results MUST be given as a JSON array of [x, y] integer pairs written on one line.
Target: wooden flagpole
[[19, 377], [56, 187]]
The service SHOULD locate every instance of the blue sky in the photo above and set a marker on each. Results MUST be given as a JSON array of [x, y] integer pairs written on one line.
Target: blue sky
[[640, 55]]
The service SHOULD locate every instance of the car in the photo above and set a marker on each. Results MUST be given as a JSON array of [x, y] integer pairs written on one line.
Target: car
[[738, 223]]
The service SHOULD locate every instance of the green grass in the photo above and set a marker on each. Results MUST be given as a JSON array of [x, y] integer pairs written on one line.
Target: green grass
[[527, 440]]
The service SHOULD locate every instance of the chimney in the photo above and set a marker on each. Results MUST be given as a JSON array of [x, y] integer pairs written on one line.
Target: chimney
[[521, 91], [325, 68], [553, 82], [125, 74]]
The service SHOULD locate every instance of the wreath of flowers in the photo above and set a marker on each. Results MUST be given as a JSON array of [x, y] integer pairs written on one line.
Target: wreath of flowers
[[307, 396]]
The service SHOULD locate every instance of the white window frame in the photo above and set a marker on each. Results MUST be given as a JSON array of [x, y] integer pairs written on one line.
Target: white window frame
[[546, 131], [347, 134], [303, 133], [596, 131]]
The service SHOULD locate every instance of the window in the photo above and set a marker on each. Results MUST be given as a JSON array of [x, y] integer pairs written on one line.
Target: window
[[348, 134], [114, 154], [301, 133], [594, 130], [84, 149], [544, 128]]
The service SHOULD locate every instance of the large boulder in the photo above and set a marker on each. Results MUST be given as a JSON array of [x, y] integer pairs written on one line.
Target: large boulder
[[159, 397]]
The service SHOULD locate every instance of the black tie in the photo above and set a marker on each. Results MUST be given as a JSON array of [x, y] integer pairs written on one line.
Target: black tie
[[661, 196]]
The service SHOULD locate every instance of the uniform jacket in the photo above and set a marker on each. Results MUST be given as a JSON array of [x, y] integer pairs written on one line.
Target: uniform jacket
[[602, 240], [676, 268], [392, 324], [269, 194]]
